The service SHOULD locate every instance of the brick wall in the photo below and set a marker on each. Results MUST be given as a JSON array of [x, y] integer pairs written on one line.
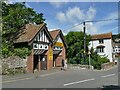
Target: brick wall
[[58, 61], [60, 57], [39, 65], [30, 63], [49, 61], [64, 53]]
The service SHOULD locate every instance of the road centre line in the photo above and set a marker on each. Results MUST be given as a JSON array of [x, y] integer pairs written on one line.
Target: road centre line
[[79, 82], [108, 75]]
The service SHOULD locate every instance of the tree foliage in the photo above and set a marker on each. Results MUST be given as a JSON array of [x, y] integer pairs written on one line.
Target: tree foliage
[[117, 36], [97, 60], [14, 17], [75, 41]]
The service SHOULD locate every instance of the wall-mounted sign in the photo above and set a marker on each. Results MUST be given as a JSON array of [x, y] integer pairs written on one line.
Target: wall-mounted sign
[[60, 44], [50, 54]]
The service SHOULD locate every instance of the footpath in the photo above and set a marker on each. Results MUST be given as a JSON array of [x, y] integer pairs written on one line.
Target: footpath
[[30, 75]]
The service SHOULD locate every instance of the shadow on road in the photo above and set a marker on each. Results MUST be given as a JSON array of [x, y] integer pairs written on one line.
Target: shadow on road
[[111, 87]]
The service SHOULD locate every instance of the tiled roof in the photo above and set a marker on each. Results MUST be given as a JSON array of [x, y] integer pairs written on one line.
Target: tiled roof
[[54, 33], [101, 36], [29, 32]]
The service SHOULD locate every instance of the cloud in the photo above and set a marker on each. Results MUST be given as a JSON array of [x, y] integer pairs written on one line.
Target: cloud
[[90, 28], [75, 15], [91, 13], [57, 4], [61, 17], [102, 25]]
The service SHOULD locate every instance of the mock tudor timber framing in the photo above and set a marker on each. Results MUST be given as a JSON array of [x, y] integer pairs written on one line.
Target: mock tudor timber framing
[[42, 44]]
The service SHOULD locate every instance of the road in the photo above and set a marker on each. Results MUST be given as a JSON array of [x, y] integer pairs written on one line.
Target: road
[[72, 78]]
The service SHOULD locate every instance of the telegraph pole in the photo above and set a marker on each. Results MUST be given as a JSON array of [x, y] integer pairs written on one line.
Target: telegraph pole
[[84, 42]]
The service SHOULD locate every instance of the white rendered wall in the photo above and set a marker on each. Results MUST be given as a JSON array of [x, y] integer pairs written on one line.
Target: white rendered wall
[[107, 50]]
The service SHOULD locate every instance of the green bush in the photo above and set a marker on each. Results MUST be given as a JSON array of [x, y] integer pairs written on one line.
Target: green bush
[[72, 61], [97, 61], [22, 52]]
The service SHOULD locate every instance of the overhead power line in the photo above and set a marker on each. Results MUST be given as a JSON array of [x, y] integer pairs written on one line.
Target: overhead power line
[[102, 20], [88, 22], [73, 26]]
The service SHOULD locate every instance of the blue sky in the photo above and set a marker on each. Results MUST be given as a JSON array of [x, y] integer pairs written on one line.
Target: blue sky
[[63, 15]]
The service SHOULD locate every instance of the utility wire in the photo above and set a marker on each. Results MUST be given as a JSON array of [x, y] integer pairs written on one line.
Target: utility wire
[[102, 20], [89, 21], [73, 26]]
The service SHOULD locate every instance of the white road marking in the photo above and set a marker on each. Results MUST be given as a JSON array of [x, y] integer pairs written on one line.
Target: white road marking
[[48, 74], [108, 75], [79, 82]]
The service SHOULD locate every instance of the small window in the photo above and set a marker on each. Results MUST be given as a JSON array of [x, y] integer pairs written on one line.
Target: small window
[[100, 49], [45, 46], [41, 46], [35, 46], [101, 41]]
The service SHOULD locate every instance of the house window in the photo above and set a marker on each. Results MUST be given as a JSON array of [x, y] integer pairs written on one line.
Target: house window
[[100, 49], [101, 41]]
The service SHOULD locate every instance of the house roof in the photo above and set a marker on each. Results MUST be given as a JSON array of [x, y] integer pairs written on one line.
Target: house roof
[[57, 32], [54, 33], [102, 36], [29, 32]]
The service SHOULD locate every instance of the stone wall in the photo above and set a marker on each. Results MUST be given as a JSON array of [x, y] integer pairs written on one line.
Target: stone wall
[[107, 65]]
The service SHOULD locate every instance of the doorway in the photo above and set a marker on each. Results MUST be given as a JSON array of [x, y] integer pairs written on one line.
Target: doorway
[[43, 62], [36, 59]]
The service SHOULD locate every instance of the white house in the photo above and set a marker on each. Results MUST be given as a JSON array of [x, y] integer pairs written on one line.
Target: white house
[[116, 48], [102, 44]]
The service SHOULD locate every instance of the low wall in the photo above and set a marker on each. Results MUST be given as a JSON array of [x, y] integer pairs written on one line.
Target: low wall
[[79, 65], [107, 65]]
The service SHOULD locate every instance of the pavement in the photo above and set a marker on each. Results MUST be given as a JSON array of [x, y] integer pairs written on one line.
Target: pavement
[[29, 75]]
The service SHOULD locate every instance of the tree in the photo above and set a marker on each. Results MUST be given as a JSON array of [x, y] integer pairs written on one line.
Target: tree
[[114, 37], [97, 60], [14, 17], [75, 41]]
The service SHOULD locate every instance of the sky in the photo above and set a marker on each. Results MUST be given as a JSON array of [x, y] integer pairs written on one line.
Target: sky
[[65, 15]]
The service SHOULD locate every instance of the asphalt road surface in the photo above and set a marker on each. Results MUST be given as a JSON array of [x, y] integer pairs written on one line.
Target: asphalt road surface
[[72, 78]]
